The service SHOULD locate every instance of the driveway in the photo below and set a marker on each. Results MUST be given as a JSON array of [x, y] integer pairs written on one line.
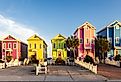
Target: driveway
[[111, 72], [55, 73]]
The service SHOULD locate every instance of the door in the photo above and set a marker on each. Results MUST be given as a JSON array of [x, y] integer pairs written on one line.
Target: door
[[59, 54]]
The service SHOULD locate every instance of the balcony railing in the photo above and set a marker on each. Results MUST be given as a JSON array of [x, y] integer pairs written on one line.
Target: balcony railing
[[88, 46]]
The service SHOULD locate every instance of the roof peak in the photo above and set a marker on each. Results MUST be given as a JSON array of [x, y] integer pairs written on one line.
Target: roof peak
[[109, 25], [59, 36], [34, 36], [86, 23]]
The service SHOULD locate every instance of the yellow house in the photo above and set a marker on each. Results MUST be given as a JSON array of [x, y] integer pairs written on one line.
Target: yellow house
[[37, 47]]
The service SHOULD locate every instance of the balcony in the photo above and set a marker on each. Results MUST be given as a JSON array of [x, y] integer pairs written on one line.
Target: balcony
[[87, 46]]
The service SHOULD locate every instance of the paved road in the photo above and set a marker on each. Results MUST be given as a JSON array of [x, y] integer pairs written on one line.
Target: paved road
[[55, 73], [111, 72]]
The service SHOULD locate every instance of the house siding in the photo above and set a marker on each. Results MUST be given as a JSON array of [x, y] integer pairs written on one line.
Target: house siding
[[59, 47], [113, 32], [86, 31], [14, 52]]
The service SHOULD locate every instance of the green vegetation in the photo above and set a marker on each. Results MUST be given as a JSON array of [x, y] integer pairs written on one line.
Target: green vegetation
[[88, 59], [1, 61], [117, 57], [59, 61], [8, 58], [34, 60], [72, 43], [102, 46]]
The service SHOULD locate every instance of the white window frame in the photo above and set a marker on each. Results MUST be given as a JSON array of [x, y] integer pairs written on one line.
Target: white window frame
[[35, 46], [30, 45], [80, 40], [53, 45], [13, 45], [10, 45], [87, 28], [116, 39], [117, 27], [110, 39], [87, 40], [4, 45], [40, 46], [92, 41]]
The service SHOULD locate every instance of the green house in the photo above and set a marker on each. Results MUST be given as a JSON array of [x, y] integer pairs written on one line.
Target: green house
[[59, 47]]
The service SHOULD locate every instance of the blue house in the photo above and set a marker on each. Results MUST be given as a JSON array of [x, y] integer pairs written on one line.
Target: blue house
[[113, 33]]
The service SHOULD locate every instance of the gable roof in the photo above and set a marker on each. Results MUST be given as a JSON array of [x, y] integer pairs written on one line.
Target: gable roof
[[114, 23], [87, 23], [34, 37], [59, 36], [10, 36], [84, 24], [110, 25]]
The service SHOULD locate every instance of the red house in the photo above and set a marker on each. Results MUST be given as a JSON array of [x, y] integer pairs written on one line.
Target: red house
[[13, 47]]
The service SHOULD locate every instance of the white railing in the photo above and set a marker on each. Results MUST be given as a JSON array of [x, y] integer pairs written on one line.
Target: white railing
[[88, 66], [2, 65], [13, 63], [41, 68], [112, 62]]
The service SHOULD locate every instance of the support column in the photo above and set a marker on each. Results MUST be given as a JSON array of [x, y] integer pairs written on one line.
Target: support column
[[114, 40], [17, 50]]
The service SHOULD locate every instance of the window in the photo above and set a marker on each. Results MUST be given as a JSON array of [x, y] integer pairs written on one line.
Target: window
[[53, 45], [87, 40], [4, 45], [9, 45], [59, 45], [30, 50], [40, 46], [30, 45], [117, 39], [110, 40], [81, 40], [35, 46], [14, 45], [92, 41], [87, 28], [117, 27], [64, 45]]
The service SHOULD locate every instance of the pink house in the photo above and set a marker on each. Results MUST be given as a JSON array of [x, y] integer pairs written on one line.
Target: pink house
[[86, 35], [13, 47]]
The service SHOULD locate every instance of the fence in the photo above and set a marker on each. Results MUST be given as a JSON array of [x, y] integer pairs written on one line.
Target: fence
[[112, 62], [88, 66], [41, 68], [2, 65]]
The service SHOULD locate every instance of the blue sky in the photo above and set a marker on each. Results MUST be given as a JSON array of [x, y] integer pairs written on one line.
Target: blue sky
[[47, 18]]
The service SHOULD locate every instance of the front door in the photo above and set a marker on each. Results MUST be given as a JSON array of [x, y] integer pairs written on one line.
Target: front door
[[59, 54]]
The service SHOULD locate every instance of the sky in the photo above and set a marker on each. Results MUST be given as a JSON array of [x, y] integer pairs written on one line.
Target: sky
[[47, 18]]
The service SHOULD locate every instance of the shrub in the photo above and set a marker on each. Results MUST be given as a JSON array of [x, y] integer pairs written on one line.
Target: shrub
[[88, 59], [21, 59], [8, 58], [59, 61], [1, 61], [117, 57], [34, 60], [111, 57]]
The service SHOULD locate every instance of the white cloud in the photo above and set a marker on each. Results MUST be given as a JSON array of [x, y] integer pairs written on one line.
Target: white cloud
[[20, 31], [8, 26]]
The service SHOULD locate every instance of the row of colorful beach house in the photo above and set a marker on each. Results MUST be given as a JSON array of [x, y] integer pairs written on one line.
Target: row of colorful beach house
[[11, 46], [86, 33]]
